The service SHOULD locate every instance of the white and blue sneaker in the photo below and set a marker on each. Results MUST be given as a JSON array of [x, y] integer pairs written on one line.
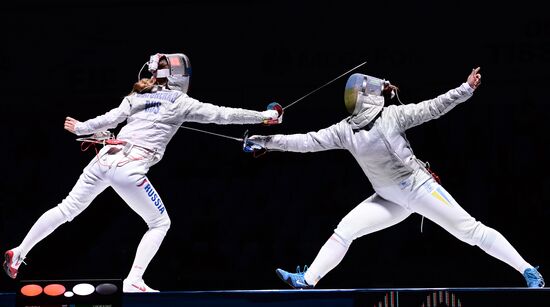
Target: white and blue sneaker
[[295, 280], [533, 278]]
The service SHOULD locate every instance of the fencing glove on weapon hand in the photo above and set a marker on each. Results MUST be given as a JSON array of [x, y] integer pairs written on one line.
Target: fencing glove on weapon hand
[[255, 144], [274, 114]]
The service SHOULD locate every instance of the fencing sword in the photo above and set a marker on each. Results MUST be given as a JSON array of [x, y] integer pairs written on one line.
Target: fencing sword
[[284, 108], [320, 87], [212, 133]]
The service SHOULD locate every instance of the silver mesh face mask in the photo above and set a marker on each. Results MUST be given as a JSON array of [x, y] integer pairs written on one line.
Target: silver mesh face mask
[[178, 72], [363, 91]]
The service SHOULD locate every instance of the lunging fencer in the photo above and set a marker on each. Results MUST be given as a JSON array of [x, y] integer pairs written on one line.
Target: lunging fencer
[[375, 135], [153, 112]]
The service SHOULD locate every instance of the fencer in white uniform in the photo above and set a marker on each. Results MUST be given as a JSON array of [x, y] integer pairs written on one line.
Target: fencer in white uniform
[[375, 136], [153, 115]]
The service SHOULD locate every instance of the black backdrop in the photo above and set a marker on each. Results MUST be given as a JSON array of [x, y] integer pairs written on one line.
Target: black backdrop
[[236, 218]]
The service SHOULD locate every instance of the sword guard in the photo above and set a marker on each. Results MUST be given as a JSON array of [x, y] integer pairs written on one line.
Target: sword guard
[[277, 107], [249, 146]]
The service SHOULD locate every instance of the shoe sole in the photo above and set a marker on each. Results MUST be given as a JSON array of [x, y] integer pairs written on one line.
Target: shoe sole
[[132, 288], [8, 257], [278, 272]]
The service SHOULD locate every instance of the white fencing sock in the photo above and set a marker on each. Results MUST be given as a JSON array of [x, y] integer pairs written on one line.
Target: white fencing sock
[[327, 259], [501, 249], [44, 226], [146, 250]]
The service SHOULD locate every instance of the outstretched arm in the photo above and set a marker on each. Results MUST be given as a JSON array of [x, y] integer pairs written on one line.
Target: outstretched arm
[[106, 121], [324, 139], [201, 112], [411, 115]]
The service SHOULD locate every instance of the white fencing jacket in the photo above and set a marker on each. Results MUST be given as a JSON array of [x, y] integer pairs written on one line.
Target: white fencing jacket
[[383, 151], [154, 118]]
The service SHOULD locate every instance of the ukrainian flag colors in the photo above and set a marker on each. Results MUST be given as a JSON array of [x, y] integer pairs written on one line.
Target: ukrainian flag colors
[[440, 195]]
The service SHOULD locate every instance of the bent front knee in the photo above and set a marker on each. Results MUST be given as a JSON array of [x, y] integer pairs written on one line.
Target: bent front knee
[[163, 223]]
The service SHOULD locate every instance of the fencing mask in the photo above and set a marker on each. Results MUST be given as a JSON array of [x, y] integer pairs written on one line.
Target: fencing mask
[[363, 98], [178, 72]]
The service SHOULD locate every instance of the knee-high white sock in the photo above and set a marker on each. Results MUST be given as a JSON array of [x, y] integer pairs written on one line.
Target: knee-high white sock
[[44, 226], [501, 249], [328, 258], [146, 250]]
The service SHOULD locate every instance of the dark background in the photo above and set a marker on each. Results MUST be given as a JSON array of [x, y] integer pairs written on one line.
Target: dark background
[[236, 218]]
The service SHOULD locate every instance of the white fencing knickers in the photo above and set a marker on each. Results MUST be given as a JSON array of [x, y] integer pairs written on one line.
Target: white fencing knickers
[[125, 171], [391, 205]]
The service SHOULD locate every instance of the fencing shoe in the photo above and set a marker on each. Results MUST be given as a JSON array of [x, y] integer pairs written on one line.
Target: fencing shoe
[[12, 261], [136, 286], [533, 278], [295, 280]]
